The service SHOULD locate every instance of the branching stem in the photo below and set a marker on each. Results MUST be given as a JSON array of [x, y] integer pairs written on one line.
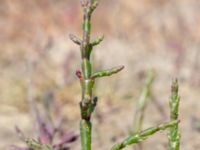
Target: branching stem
[[141, 136], [87, 78]]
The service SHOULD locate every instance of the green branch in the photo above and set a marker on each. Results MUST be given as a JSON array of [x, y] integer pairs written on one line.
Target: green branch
[[141, 136], [97, 41], [142, 103], [174, 133], [106, 73]]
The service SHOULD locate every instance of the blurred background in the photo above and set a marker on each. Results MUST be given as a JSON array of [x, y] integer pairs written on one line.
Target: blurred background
[[38, 63]]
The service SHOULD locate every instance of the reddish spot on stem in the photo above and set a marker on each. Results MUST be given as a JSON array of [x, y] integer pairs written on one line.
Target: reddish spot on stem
[[79, 74]]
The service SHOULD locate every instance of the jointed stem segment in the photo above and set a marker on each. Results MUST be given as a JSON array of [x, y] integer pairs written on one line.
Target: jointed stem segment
[[85, 129], [87, 79], [174, 134]]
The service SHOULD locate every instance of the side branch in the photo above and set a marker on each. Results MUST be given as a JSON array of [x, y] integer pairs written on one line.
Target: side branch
[[97, 41], [75, 39], [141, 136], [106, 73]]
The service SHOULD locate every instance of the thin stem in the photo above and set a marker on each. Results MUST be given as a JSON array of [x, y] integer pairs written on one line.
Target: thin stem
[[87, 79], [142, 103], [174, 133], [87, 83], [141, 106], [141, 136], [85, 129]]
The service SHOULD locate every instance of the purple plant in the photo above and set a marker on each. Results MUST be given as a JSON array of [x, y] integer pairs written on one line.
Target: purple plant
[[48, 134]]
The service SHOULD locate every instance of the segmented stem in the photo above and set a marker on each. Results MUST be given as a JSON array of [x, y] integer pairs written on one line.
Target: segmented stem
[[87, 79], [174, 133]]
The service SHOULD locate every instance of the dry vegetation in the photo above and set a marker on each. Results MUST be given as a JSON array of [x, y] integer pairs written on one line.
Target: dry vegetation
[[37, 57]]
